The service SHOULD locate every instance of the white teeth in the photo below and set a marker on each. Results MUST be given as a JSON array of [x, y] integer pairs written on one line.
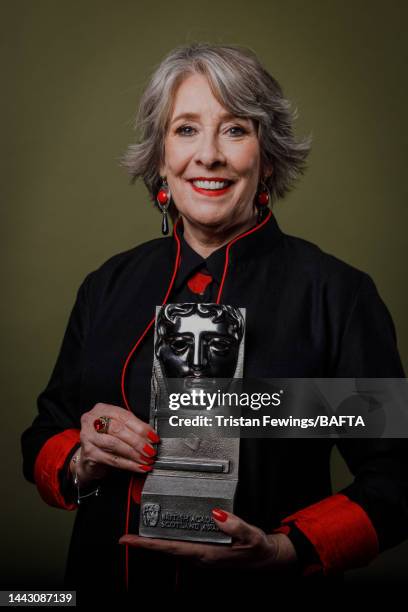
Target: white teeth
[[211, 184]]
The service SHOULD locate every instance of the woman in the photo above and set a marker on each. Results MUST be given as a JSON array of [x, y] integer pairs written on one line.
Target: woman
[[216, 147]]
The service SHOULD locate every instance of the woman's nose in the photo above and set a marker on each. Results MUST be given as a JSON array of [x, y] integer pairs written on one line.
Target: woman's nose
[[209, 151]]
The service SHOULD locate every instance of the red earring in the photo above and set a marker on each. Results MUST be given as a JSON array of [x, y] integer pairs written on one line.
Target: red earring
[[262, 201], [163, 200], [162, 197], [263, 198]]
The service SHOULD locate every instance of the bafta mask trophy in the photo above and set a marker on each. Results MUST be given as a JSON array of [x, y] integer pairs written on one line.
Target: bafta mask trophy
[[197, 347]]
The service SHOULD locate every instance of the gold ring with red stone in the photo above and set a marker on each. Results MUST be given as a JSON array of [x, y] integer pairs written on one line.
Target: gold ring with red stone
[[101, 424]]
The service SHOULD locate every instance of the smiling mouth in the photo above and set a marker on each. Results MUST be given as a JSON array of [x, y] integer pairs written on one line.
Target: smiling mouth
[[211, 187]]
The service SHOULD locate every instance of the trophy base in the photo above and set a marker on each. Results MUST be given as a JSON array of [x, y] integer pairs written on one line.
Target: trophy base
[[179, 507]]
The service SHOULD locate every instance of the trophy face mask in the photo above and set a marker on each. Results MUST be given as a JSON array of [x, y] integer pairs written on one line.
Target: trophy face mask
[[198, 341], [196, 347]]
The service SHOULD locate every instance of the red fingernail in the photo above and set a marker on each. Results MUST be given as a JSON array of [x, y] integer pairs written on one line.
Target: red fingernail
[[219, 515], [149, 450], [153, 437], [146, 468], [148, 459]]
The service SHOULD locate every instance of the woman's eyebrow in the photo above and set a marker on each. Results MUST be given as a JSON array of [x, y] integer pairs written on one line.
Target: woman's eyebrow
[[196, 116]]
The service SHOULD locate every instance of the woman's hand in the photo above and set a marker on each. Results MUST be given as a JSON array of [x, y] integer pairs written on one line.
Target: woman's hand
[[127, 445], [251, 548]]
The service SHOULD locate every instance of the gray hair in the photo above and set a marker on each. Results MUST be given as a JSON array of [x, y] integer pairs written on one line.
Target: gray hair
[[244, 87]]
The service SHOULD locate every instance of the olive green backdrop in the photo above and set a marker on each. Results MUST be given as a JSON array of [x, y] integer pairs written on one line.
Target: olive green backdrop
[[72, 73]]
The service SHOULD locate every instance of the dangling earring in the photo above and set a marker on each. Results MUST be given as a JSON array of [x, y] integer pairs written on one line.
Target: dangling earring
[[163, 200], [262, 200]]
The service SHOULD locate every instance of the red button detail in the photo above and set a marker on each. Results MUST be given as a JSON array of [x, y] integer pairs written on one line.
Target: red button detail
[[199, 282]]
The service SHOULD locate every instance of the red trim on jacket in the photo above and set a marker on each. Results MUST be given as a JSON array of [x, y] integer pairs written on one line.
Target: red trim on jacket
[[137, 488], [50, 460], [340, 531], [135, 484]]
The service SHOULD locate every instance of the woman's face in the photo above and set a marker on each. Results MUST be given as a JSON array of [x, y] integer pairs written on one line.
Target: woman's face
[[204, 142]]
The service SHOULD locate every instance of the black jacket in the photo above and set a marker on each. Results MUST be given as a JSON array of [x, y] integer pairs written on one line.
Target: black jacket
[[308, 315]]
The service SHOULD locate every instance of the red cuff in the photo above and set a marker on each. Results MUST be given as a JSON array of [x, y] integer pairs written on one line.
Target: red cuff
[[340, 531], [49, 462]]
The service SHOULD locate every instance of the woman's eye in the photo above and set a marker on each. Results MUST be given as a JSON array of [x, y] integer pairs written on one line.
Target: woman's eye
[[240, 129], [188, 130], [183, 130]]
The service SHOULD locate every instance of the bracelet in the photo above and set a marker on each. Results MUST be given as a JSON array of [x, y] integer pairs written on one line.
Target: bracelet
[[75, 460]]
